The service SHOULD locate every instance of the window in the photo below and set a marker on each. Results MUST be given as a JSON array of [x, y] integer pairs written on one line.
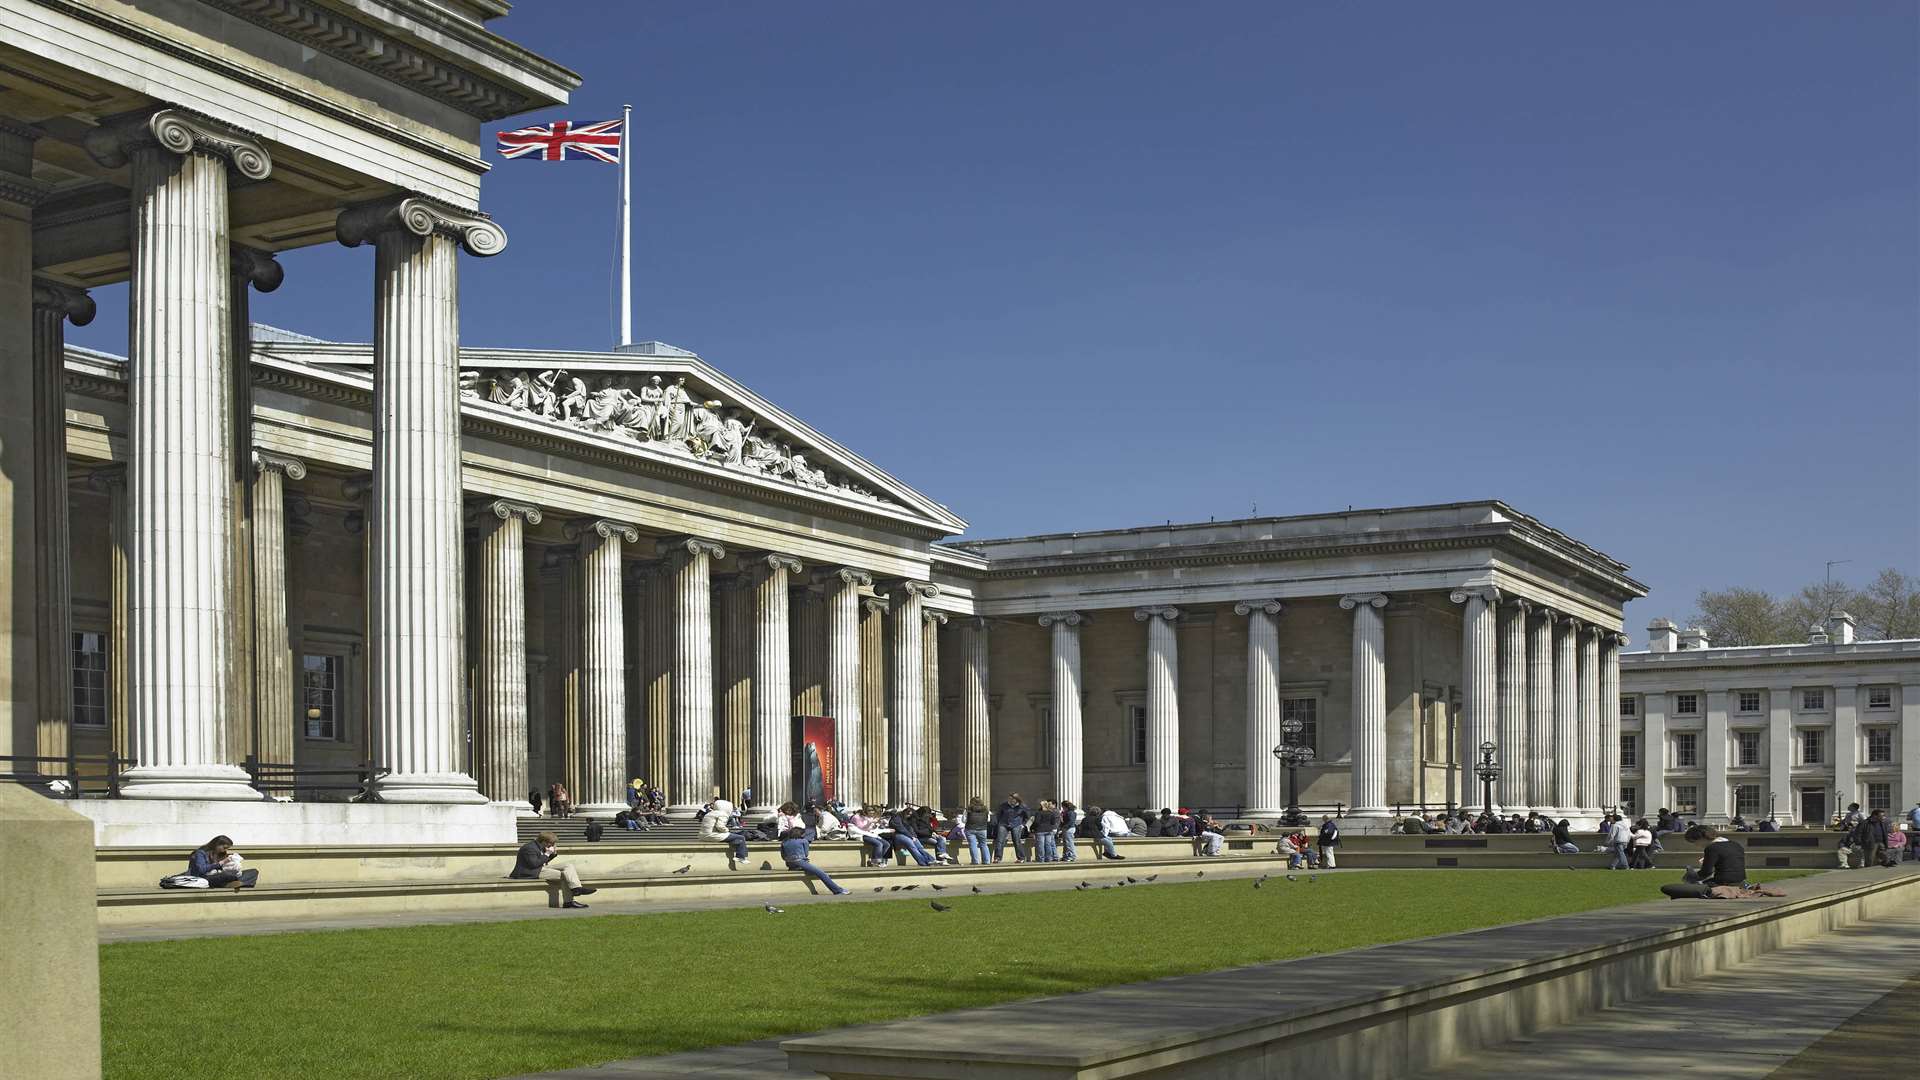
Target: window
[[1746, 746], [1043, 736], [1307, 711], [320, 696], [1813, 700], [1879, 746], [1137, 724], [1879, 697], [89, 679], [1629, 751], [1749, 701], [1686, 750], [1686, 704], [1628, 800], [1629, 706], [1746, 800], [1686, 798], [1813, 748], [1879, 797]]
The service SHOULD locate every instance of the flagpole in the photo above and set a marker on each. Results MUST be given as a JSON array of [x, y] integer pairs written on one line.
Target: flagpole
[[626, 225]]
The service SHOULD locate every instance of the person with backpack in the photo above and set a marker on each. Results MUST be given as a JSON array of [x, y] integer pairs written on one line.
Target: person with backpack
[[1329, 839]]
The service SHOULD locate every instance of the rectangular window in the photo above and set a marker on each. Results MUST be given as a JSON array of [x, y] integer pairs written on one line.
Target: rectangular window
[[89, 679], [1629, 706], [1746, 800], [1137, 719], [1686, 798], [1307, 711], [1628, 800], [1629, 751], [1813, 700], [1879, 797], [1043, 750], [1749, 701], [1746, 747], [1686, 704], [1686, 750], [1879, 697], [1813, 747], [1879, 746], [320, 696]]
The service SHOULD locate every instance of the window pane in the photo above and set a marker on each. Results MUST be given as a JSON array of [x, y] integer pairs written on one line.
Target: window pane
[[1685, 749], [1749, 701], [1879, 797], [1629, 752], [89, 664], [1305, 710], [1749, 748], [1686, 798], [320, 696], [1879, 745], [1814, 700], [1139, 715], [1880, 697], [1812, 748], [1629, 706]]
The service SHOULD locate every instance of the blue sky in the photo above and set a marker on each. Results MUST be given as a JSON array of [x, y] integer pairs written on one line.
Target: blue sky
[[1648, 272]]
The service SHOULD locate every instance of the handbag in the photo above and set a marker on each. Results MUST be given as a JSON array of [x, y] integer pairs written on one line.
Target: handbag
[[184, 881]]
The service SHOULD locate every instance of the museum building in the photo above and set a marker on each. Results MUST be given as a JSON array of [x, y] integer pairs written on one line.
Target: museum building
[[406, 583]]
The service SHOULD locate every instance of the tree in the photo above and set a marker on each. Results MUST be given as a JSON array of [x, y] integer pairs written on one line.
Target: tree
[[1889, 607], [1816, 603], [1740, 616]]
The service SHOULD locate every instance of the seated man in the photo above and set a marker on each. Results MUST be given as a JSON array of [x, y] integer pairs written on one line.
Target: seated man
[[1722, 862], [534, 861]]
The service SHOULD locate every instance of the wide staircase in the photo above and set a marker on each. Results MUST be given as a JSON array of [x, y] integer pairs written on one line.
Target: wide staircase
[[572, 831]]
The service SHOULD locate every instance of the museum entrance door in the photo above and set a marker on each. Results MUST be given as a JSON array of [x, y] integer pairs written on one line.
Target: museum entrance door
[[1813, 806]]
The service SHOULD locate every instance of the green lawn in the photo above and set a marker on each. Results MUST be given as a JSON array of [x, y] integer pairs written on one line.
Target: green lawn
[[499, 999]]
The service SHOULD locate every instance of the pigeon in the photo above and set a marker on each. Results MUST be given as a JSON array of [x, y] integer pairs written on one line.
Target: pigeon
[[897, 888], [1080, 887], [1201, 874], [977, 888], [771, 910], [1106, 886], [1290, 877], [766, 865], [1153, 877], [938, 887], [879, 888], [938, 906], [1086, 884], [1131, 880], [1260, 883], [910, 888], [684, 869]]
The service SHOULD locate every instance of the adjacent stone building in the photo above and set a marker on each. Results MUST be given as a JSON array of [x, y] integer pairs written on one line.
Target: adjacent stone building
[[1796, 731]]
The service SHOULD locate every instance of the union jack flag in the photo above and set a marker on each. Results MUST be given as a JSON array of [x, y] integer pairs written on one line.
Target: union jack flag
[[563, 139]]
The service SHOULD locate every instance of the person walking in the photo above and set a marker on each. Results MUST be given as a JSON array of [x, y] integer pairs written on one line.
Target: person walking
[[535, 862], [1069, 821], [1640, 857], [1329, 839], [1870, 836], [1619, 838], [1010, 823], [1046, 826]]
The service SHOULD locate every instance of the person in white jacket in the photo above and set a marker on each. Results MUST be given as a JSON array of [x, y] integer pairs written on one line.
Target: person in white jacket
[[715, 826], [1619, 837], [1111, 825]]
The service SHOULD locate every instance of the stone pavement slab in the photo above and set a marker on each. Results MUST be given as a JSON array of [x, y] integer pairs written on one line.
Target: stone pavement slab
[[1745, 1023], [762, 1060]]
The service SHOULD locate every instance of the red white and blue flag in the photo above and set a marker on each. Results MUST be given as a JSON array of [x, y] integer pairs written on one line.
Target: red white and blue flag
[[563, 139]]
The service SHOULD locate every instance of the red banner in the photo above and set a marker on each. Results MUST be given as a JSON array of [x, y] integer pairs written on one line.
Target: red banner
[[813, 753]]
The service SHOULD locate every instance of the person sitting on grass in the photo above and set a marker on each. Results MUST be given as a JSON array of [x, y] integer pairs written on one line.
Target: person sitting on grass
[[535, 862], [1722, 863], [794, 849], [220, 865], [716, 826]]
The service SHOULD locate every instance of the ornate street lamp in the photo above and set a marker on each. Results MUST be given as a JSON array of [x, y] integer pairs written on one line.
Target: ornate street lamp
[[1488, 772], [1293, 755], [1770, 817]]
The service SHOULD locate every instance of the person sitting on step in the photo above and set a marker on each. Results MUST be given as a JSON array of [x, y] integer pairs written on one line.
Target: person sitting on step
[[535, 862], [220, 865], [716, 826]]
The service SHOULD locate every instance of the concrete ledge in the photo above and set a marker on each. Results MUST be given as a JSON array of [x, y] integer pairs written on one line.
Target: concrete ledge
[[185, 824], [1392, 1010]]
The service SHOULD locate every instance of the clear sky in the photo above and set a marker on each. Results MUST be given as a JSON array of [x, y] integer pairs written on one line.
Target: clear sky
[[1648, 272]]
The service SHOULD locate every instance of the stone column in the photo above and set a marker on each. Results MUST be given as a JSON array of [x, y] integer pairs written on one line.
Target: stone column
[[1513, 789], [690, 563], [930, 624], [659, 676], [1566, 716], [907, 726], [20, 577], [1163, 705], [1540, 729], [571, 663], [1780, 754], [248, 269], [734, 599], [272, 668], [874, 698], [843, 680], [180, 422], [1712, 760], [53, 306], [1846, 779], [772, 689], [808, 650], [415, 589], [633, 611], [1653, 753], [1610, 642], [112, 479], [1266, 796], [500, 690], [603, 714], [1066, 703], [976, 734], [1479, 680], [1593, 798], [1369, 725], [1909, 744]]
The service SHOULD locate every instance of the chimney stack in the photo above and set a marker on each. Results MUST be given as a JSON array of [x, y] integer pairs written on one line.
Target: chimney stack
[[1693, 637], [1816, 634], [1662, 636], [1842, 628]]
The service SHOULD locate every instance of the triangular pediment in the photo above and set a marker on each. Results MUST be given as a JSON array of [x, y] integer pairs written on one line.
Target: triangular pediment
[[660, 401]]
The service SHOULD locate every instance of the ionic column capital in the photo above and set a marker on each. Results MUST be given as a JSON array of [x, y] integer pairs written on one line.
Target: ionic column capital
[[1616, 639], [421, 217], [1148, 614], [74, 305], [925, 590], [505, 509], [977, 623], [602, 528], [1265, 607], [1487, 593], [874, 605], [1519, 603], [1064, 618], [1546, 615], [255, 267], [1354, 600], [690, 547], [848, 575], [774, 561], [938, 618], [290, 467], [180, 132]]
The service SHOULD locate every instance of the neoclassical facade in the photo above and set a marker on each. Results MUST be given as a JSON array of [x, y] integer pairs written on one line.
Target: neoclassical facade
[[237, 551]]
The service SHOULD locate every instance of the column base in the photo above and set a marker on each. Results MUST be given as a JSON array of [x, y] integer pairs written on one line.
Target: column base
[[427, 788], [219, 783], [520, 807]]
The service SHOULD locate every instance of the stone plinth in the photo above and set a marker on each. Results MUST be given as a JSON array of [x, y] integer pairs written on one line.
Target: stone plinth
[[49, 951], [188, 823]]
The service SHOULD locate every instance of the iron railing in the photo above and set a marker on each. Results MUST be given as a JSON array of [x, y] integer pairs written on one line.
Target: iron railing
[[281, 778], [78, 771]]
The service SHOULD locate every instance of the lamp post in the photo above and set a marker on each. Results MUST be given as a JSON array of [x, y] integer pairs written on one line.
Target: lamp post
[[1293, 755], [1770, 816], [1488, 772]]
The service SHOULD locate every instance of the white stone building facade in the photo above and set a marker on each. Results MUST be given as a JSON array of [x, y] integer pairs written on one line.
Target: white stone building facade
[[1798, 731]]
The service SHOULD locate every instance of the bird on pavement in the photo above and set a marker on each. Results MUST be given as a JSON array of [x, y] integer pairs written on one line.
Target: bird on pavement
[[1202, 873], [1131, 880], [684, 869], [1290, 877], [766, 865], [938, 906], [879, 888], [1080, 887], [1086, 884], [977, 888], [896, 888], [937, 887], [910, 888], [771, 910], [1153, 877]]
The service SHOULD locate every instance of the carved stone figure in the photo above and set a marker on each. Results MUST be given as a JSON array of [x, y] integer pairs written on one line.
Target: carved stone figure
[[730, 441], [653, 400], [540, 396], [674, 404], [574, 405], [603, 410]]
